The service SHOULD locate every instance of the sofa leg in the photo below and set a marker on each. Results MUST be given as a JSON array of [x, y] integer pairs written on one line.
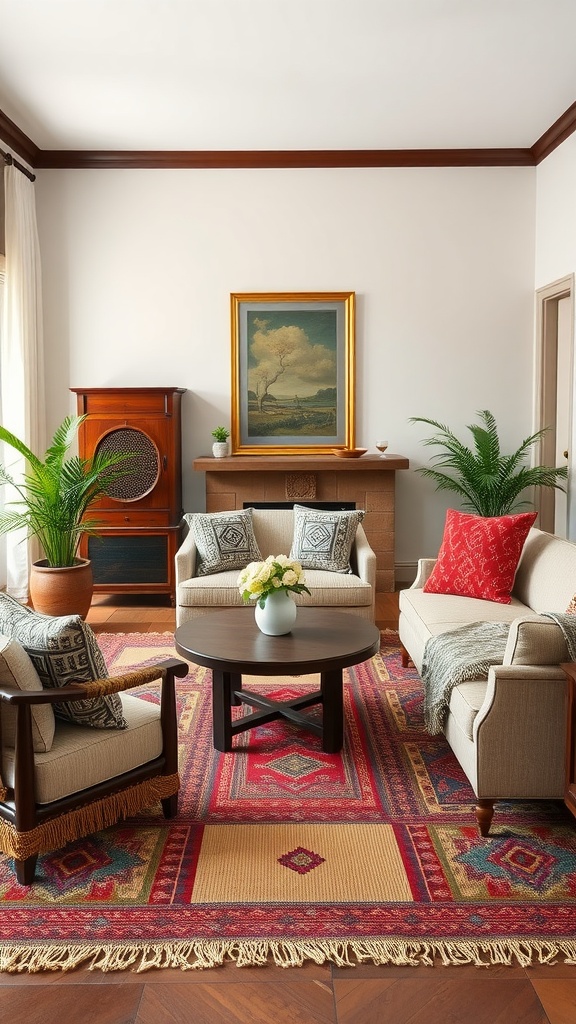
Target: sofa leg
[[26, 869], [406, 659], [484, 815]]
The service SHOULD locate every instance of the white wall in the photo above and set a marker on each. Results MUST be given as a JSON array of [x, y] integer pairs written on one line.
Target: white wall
[[556, 214], [138, 267]]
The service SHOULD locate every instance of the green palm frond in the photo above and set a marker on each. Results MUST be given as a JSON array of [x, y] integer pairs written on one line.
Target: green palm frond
[[488, 482], [19, 446], [55, 494]]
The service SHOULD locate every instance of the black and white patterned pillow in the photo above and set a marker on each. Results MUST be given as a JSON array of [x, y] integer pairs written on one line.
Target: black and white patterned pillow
[[224, 540], [63, 649], [323, 540]]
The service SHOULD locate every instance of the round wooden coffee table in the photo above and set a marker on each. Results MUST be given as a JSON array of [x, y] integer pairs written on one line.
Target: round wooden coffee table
[[322, 640]]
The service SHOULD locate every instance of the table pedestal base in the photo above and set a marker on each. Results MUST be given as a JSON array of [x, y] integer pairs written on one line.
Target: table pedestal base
[[227, 691]]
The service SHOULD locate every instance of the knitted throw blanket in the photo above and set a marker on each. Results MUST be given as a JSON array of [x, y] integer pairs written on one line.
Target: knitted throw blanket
[[467, 653]]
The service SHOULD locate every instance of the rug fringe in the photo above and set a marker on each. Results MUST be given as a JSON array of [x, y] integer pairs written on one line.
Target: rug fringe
[[204, 954]]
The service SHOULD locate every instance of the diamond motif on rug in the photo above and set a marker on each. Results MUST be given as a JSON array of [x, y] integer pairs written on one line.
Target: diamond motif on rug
[[123, 864], [295, 766], [277, 771], [78, 863], [525, 863], [301, 860], [533, 863], [281, 768]]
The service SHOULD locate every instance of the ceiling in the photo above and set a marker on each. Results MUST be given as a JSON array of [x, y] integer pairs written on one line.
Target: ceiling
[[286, 74]]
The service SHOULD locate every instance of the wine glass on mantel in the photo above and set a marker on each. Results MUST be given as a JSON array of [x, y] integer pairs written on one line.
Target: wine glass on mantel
[[381, 446]]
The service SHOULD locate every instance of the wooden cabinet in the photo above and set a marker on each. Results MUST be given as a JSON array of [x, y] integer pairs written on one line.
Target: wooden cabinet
[[570, 789], [140, 516]]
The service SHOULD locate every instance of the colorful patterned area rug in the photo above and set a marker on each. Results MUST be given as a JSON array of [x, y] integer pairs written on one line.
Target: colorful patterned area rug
[[282, 853]]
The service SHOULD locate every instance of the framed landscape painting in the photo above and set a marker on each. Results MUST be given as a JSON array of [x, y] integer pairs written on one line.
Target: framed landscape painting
[[292, 373]]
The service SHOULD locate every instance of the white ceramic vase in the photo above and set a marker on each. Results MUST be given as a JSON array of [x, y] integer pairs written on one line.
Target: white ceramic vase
[[278, 614], [220, 449]]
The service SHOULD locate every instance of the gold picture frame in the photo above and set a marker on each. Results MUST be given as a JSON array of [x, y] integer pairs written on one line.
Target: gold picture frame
[[293, 380]]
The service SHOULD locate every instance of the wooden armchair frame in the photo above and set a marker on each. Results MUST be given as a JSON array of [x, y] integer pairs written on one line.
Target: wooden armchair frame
[[28, 828]]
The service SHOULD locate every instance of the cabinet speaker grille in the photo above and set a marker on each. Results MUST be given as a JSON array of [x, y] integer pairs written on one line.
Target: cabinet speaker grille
[[129, 559], [144, 465]]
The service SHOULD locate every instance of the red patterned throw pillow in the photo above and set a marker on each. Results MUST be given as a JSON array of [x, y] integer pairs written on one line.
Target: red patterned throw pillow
[[479, 555]]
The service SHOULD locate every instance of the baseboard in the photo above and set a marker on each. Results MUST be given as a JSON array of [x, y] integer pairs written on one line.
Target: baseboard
[[405, 572]]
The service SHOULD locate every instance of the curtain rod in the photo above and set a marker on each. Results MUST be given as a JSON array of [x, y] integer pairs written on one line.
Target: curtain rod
[[9, 159]]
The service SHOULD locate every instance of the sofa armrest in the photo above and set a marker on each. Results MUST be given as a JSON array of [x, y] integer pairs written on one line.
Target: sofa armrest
[[185, 560], [425, 567], [535, 640], [519, 733], [364, 557], [363, 560], [502, 692]]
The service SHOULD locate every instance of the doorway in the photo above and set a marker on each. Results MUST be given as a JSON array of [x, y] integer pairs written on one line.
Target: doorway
[[555, 400]]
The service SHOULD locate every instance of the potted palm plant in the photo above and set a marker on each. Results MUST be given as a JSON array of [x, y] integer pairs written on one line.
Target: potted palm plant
[[489, 482], [53, 497]]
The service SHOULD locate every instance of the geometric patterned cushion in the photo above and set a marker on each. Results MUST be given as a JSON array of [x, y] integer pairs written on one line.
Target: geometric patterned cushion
[[63, 650], [323, 540], [224, 540], [571, 609], [479, 555], [17, 670]]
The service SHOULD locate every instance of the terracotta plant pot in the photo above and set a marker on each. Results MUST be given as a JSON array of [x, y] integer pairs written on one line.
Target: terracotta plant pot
[[62, 591]]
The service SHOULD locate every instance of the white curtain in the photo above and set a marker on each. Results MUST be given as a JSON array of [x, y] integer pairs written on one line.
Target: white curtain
[[21, 353]]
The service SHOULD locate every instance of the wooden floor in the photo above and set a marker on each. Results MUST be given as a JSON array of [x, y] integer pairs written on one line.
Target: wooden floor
[[272, 995]]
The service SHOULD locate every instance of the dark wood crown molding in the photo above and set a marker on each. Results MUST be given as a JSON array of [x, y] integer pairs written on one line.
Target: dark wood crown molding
[[16, 140], [230, 159], [556, 134]]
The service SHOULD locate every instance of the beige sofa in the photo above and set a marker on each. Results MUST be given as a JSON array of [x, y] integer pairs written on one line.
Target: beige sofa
[[273, 529], [507, 731]]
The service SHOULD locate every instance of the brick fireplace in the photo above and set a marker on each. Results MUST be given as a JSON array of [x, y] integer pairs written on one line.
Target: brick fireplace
[[368, 482]]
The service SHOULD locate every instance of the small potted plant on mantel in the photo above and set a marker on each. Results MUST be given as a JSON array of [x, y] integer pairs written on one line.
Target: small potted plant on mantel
[[220, 448]]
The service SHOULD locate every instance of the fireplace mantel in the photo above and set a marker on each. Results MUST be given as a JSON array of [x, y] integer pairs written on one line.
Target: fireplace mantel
[[300, 463], [368, 481]]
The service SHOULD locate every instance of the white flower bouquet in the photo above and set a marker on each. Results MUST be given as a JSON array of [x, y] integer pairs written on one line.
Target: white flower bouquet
[[278, 572]]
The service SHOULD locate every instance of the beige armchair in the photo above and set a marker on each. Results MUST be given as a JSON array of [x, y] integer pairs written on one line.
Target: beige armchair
[[273, 529]]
